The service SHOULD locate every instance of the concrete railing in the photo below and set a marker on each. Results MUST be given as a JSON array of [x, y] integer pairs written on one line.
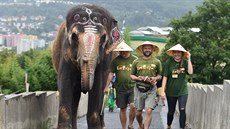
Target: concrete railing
[[32, 109], [208, 106]]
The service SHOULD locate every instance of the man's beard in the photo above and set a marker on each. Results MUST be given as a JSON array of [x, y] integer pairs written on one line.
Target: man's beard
[[147, 54]]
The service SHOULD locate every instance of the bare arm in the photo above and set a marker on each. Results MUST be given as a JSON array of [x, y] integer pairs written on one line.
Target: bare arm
[[109, 79], [164, 81], [137, 78], [190, 67], [156, 78]]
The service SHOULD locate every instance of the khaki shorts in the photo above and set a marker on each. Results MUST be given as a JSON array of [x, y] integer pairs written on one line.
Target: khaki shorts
[[123, 98], [144, 100]]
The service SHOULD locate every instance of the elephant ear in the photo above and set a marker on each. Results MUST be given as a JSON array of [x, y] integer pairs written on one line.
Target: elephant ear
[[116, 37]]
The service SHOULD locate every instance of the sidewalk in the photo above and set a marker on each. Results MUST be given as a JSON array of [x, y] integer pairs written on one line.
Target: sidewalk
[[112, 120]]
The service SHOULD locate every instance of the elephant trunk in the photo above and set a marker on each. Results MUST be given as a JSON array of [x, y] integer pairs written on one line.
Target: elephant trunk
[[88, 52], [87, 73]]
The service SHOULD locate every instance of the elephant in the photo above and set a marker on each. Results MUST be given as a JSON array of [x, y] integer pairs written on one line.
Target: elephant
[[81, 54]]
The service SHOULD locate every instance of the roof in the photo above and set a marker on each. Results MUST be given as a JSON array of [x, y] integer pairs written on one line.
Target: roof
[[149, 38], [140, 33], [154, 29]]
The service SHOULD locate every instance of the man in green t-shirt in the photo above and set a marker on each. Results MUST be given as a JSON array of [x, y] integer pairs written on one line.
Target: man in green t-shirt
[[121, 67], [146, 71]]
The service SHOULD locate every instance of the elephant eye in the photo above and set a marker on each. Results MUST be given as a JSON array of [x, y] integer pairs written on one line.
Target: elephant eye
[[104, 21], [74, 37], [103, 37]]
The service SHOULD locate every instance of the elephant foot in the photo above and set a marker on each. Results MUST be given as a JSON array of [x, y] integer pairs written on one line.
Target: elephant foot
[[96, 127], [64, 126], [103, 125]]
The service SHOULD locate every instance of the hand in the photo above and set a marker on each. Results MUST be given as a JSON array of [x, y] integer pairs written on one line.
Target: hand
[[106, 90], [188, 56], [153, 79], [140, 78], [163, 95]]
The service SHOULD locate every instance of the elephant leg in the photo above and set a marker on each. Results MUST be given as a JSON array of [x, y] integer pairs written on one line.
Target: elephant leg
[[75, 104], [93, 114], [67, 109], [65, 117], [102, 120]]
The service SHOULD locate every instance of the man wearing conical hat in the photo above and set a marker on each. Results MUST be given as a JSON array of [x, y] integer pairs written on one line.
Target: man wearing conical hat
[[146, 71], [174, 83], [121, 67]]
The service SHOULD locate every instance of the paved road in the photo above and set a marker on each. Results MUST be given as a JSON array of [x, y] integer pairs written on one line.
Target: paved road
[[112, 120]]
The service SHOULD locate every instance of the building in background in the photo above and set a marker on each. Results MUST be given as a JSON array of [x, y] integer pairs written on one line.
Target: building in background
[[151, 31], [21, 42]]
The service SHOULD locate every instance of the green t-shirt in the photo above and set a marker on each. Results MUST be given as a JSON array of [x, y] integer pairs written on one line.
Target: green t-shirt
[[122, 68], [176, 77], [142, 67]]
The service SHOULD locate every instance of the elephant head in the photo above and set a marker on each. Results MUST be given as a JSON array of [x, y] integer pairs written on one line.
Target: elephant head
[[89, 33]]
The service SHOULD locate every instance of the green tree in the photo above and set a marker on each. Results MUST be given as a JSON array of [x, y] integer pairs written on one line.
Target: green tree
[[210, 47], [126, 35], [44, 71], [41, 74], [11, 76], [4, 54], [36, 63]]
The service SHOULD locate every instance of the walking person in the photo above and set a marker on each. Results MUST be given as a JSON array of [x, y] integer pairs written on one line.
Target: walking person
[[146, 71], [111, 95], [124, 86], [174, 84]]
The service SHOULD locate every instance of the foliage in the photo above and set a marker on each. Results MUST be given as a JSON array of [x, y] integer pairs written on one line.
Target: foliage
[[126, 35], [41, 74], [36, 63], [210, 47], [11, 75]]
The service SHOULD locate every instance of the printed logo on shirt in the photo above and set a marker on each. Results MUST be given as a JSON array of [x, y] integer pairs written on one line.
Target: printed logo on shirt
[[124, 67], [147, 67], [178, 71]]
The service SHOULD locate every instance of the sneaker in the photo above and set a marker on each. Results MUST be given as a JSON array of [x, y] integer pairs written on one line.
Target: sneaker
[[130, 127], [142, 127]]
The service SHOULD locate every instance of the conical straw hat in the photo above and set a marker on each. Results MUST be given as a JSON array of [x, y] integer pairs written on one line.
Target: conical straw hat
[[139, 50], [177, 47], [123, 47]]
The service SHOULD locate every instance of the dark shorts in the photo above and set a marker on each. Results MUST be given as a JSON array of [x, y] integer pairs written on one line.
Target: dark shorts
[[123, 98]]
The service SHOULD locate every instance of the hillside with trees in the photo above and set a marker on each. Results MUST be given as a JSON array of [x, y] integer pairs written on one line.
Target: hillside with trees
[[135, 13]]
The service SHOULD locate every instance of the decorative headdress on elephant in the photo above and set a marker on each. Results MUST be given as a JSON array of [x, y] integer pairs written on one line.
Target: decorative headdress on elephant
[[85, 38]]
